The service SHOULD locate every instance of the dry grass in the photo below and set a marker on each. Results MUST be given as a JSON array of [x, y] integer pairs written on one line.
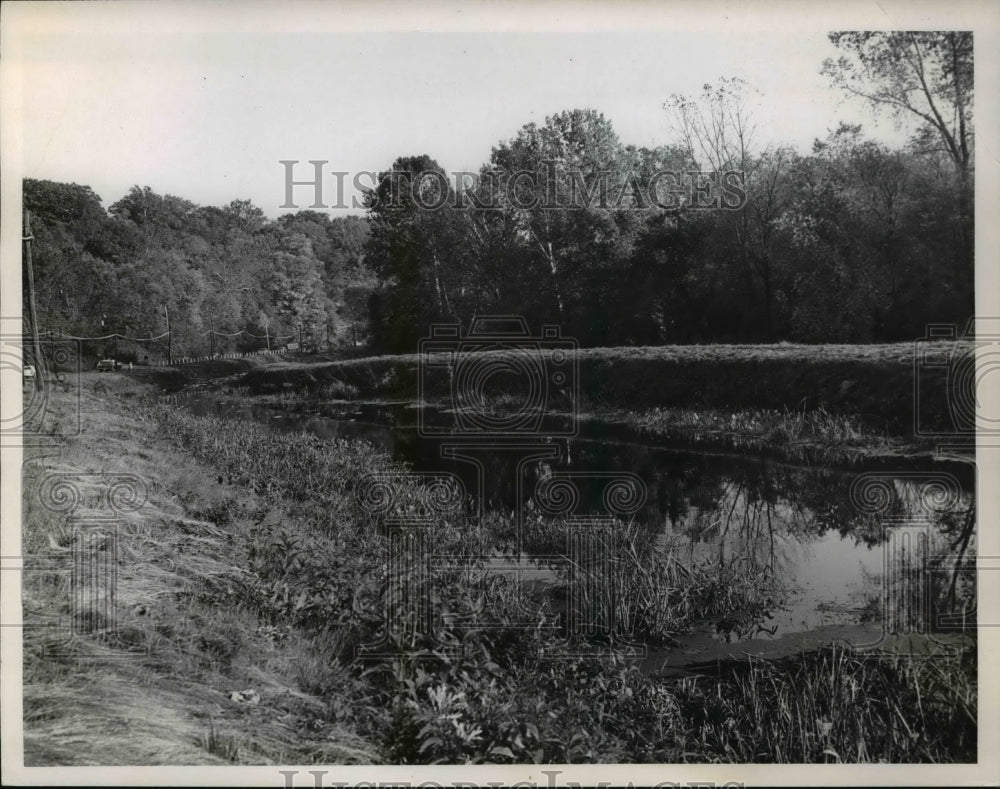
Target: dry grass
[[157, 688], [239, 595]]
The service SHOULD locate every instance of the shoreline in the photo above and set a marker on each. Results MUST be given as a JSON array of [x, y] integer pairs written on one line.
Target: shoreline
[[231, 587], [694, 431], [742, 399]]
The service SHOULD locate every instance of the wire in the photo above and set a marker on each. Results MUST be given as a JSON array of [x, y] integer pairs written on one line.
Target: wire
[[222, 334], [109, 336], [165, 334]]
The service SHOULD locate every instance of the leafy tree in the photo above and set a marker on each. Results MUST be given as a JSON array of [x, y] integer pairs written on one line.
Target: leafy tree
[[864, 243], [719, 131], [409, 249], [926, 77], [570, 199], [119, 272], [296, 288]]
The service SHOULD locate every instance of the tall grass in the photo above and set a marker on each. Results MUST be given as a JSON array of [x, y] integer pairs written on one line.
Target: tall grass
[[496, 680], [819, 435], [836, 705]]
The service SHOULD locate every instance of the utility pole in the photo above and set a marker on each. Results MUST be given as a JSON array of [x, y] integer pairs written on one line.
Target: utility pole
[[32, 310], [170, 337], [300, 338], [267, 333], [212, 323], [328, 338]]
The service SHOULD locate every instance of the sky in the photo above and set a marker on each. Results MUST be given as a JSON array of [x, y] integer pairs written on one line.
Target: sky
[[206, 112]]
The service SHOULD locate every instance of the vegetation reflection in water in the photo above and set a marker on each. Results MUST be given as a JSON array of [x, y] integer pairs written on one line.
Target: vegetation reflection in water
[[793, 549], [498, 678]]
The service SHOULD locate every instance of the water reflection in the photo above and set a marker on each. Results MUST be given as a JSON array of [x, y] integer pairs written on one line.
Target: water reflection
[[838, 548]]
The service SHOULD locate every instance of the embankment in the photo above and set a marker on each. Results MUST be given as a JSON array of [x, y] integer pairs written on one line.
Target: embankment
[[172, 379], [895, 388]]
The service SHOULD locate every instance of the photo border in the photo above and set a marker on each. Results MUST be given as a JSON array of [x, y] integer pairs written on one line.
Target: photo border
[[696, 17]]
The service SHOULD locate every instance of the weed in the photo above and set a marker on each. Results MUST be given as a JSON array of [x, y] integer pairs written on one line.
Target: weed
[[835, 705], [225, 746], [289, 577]]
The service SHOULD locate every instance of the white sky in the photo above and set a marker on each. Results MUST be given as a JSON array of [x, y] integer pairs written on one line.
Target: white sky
[[197, 108]]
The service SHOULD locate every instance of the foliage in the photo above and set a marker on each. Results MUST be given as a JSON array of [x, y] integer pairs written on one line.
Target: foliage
[[924, 76], [852, 242], [837, 706], [495, 683], [150, 256]]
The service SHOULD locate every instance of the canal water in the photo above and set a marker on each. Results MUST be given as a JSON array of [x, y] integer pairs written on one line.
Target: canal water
[[846, 551]]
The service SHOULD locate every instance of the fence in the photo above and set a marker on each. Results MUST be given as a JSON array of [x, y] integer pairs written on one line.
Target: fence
[[209, 358], [50, 336]]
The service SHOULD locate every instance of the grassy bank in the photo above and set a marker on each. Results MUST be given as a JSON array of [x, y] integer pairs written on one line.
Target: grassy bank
[[172, 379], [258, 569], [845, 404], [873, 382], [816, 437], [159, 686]]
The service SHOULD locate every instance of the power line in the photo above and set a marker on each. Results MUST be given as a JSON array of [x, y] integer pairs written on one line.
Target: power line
[[66, 336], [120, 336]]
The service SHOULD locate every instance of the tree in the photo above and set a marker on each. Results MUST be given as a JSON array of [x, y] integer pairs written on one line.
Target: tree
[[227, 266], [295, 288], [866, 241], [573, 220], [410, 249], [719, 131], [927, 76]]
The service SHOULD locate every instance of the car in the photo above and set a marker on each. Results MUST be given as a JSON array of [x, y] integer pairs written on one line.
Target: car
[[107, 364], [29, 372]]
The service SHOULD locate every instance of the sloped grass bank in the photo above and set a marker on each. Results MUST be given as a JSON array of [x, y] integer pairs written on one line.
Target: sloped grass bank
[[257, 570], [172, 673], [886, 387], [175, 378], [486, 688]]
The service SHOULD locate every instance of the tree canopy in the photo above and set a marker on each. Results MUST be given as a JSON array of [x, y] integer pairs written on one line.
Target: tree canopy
[[567, 224]]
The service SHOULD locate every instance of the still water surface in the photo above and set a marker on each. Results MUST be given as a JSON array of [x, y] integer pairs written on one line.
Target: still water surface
[[835, 542]]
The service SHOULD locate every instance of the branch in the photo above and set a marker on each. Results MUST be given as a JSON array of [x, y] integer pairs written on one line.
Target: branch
[[940, 124]]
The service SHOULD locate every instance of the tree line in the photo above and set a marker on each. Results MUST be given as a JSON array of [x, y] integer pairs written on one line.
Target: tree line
[[151, 258], [855, 241]]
